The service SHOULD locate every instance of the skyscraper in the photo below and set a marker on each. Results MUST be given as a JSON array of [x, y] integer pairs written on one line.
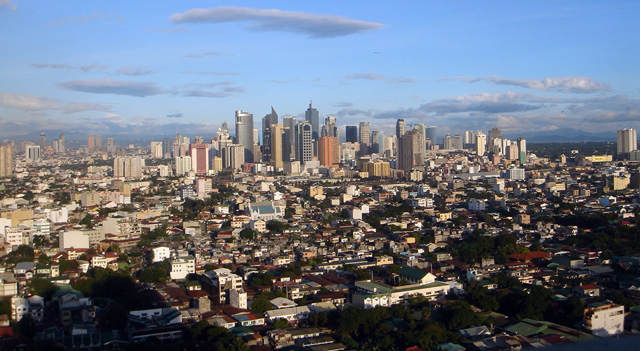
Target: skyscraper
[[330, 127], [522, 150], [111, 146], [6, 161], [267, 122], [91, 142], [99, 142], [304, 142], [430, 133], [410, 150], [156, 149], [481, 143], [33, 153], [200, 160], [627, 141], [277, 150], [312, 116], [43, 142], [351, 134], [62, 147], [401, 128], [328, 151], [244, 134], [365, 134], [128, 166]]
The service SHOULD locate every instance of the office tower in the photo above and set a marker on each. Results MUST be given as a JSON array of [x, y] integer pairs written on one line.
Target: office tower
[[469, 137], [198, 139], [330, 127], [156, 149], [304, 142], [401, 128], [200, 158], [481, 143], [411, 151], [430, 133], [183, 165], [267, 124], [328, 151], [452, 142], [389, 146], [351, 133], [311, 115], [55, 145], [244, 134], [423, 131], [33, 153], [277, 150], [111, 146], [365, 134], [99, 142], [522, 150], [233, 156], [166, 147], [62, 146], [627, 140], [128, 167], [495, 133], [43, 142], [91, 142], [6, 161]]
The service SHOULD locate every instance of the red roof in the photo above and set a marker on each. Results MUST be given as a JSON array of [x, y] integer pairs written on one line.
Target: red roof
[[529, 256]]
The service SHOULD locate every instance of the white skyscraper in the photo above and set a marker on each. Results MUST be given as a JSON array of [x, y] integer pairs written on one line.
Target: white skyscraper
[[627, 140], [183, 165], [481, 143], [156, 149]]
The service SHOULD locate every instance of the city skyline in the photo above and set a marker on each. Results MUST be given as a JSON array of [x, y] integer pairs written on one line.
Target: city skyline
[[525, 67]]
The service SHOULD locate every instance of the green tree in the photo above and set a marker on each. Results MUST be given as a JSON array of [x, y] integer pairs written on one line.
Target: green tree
[[41, 287], [280, 323], [260, 305], [248, 233]]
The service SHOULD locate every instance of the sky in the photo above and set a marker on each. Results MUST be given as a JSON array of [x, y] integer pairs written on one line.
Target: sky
[[123, 69]]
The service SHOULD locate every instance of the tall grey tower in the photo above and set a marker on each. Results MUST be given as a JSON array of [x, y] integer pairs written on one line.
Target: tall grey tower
[[401, 128], [244, 134], [268, 121], [312, 116]]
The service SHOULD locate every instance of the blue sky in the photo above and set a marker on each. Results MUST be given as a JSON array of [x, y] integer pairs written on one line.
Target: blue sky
[[156, 67]]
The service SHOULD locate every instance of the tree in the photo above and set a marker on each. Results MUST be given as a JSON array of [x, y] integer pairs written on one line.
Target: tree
[[41, 287], [248, 233], [87, 221], [460, 315], [260, 279], [260, 305], [28, 195], [280, 323]]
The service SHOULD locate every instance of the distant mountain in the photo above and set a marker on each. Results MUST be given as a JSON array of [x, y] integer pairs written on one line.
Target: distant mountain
[[563, 135]]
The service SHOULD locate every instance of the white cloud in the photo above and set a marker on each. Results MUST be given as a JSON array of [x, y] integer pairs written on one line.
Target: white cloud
[[86, 18], [85, 68], [28, 102], [373, 76], [134, 71], [313, 25], [8, 5], [578, 85], [113, 86]]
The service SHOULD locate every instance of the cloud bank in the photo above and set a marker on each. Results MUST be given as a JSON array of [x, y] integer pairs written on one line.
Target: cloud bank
[[113, 86], [578, 85], [28, 102], [312, 25]]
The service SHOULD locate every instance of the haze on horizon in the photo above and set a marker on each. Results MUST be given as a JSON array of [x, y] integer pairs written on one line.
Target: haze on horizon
[[123, 69]]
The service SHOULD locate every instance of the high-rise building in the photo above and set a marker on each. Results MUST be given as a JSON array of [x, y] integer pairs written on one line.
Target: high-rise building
[[43, 142], [200, 160], [430, 133], [410, 150], [183, 165], [33, 153], [522, 150], [452, 142], [156, 149], [128, 167], [111, 146], [99, 142], [330, 127], [233, 156], [627, 140], [329, 151], [304, 142], [277, 150], [365, 133], [351, 134], [62, 146], [401, 128], [311, 115], [481, 143], [6, 161], [91, 142], [469, 137], [423, 131], [267, 122], [244, 134]]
